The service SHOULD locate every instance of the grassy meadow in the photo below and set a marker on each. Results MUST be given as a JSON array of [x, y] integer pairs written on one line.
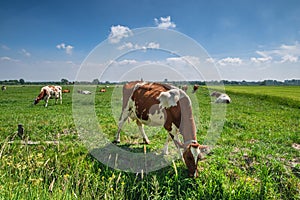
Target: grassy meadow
[[256, 157]]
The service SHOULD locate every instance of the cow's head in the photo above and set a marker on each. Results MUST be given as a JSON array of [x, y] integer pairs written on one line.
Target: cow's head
[[41, 96], [192, 154], [36, 101]]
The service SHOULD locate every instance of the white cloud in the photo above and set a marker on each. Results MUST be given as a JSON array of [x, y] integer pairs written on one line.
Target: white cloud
[[127, 62], [184, 60], [263, 59], [281, 54], [68, 48], [8, 59], [174, 61], [61, 46], [230, 61], [3, 46], [210, 60], [289, 58], [224, 61], [25, 53], [164, 22], [153, 45], [129, 45], [118, 32]]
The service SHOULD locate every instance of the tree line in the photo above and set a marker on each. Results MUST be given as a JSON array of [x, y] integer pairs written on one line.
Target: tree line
[[64, 81]]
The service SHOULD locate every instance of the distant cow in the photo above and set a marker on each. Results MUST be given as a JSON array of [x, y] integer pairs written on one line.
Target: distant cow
[[184, 88], [156, 104], [66, 91], [84, 92], [221, 97], [3, 88], [48, 92], [103, 90], [195, 88]]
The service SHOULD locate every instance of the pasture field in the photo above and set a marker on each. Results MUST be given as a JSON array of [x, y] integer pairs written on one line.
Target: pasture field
[[289, 95], [256, 157]]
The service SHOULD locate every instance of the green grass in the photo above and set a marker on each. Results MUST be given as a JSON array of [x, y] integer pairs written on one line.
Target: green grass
[[289, 95], [254, 157]]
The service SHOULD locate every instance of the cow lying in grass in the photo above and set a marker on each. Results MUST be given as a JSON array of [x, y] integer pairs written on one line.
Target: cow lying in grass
[[156, 104], [49, 92], [221, 97], [84, 92]]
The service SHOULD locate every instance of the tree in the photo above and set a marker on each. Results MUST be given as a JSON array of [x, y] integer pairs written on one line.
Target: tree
[[64, 81], [22, 81], [96, 81]]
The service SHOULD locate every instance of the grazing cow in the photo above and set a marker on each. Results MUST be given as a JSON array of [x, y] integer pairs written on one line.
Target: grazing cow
[[184, 88], [66, 91], [3, 88], [48, 92], [103, 90], [84, 92], [221, 97], [195, 88], [156, 104]]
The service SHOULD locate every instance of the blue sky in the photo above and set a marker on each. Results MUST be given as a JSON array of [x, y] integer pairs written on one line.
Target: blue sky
[[246, 39]]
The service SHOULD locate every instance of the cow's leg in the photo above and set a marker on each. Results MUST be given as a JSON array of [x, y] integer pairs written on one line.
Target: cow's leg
[[60, 97], [174, 135], [123, 118], [178, 144], [46, 100], [165, 150], [141, 128]]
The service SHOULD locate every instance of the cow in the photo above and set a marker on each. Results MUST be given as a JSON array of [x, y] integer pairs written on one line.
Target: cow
[[195, 88], [3, 88], [48, 92], [84, 92], [66, 91], [221, 97], [184, 88], [103, 90], [157, 104]]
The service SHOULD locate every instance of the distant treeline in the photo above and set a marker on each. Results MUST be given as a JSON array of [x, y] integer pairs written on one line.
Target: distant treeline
[[97, 82]]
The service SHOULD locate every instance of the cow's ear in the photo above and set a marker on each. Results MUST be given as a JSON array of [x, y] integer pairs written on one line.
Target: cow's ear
[[200, 156], [204, 148]]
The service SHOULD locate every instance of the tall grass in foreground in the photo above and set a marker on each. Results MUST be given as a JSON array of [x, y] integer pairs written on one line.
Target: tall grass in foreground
[[253, 159]]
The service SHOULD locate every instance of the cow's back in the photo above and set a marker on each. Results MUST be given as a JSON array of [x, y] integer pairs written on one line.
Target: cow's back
[[127, 92], [145, 99]]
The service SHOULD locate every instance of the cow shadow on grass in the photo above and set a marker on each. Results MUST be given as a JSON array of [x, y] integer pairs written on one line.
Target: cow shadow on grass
[[134, 160]]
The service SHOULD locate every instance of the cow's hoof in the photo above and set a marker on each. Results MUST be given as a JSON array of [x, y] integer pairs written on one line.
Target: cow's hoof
[[116, 142], [146, 141]]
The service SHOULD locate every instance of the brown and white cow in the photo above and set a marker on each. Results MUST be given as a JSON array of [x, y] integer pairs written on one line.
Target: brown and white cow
[[85, 92], [156, 104], [3, 88], [184, 88], [103, 90], [48, 92], [66, 91], [221, 97]]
